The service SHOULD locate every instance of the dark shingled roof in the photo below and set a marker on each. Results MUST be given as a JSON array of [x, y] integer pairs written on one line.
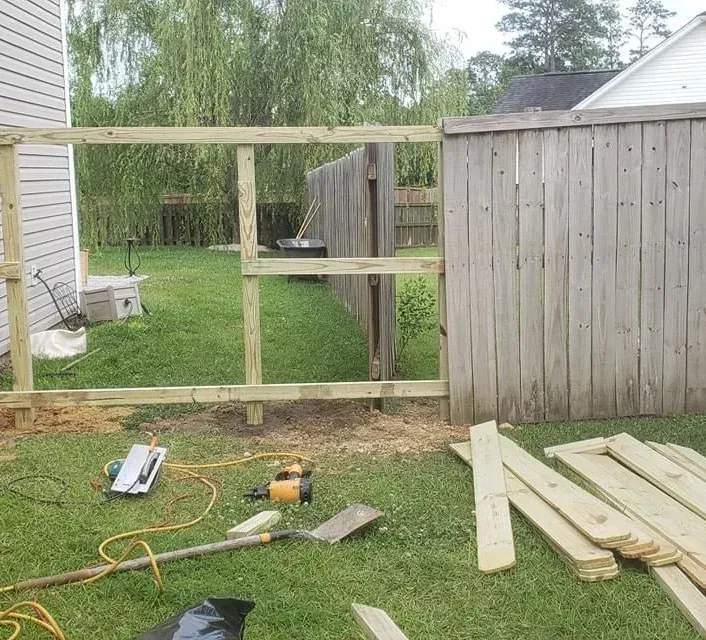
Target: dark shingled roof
[[551, 91]]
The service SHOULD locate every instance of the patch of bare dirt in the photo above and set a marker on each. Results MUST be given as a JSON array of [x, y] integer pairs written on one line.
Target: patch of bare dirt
[[67, 420], [328, 427]]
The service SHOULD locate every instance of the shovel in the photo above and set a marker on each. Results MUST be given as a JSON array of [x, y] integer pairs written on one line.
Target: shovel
[[341, 526]]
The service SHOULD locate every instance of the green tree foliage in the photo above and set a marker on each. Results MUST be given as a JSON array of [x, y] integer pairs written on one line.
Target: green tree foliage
[[647, 20], [615, 34], [242, 62], [556, 35], [488, 75]]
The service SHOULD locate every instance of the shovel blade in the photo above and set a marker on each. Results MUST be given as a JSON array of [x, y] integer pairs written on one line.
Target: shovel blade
[[346, 523]]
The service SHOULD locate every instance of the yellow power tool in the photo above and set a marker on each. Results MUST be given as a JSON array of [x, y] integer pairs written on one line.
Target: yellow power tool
[[292, 484]]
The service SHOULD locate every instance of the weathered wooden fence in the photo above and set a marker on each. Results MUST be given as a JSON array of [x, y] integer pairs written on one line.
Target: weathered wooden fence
[[416, 217], [575, 258], [356, 218]]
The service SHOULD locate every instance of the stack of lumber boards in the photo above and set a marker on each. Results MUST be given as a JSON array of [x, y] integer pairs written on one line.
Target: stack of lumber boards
[[643, 501]]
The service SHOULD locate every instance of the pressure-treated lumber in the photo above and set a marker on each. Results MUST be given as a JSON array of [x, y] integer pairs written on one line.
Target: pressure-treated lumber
[[376, 624], [340, 266], [10, 270], [247, 217], [220, 135], [643, 501], [690, 454], [662, 472], [591, 445], [224, 393], [543, 119], [591, 516], [17, 306], [578, 549], [678, 458], [259, 523], [496, 547], [689, 600]]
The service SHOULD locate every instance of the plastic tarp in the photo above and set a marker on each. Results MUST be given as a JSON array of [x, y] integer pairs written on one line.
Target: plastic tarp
[[58, 343]]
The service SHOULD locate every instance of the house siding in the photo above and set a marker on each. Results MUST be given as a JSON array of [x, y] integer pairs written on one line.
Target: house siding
[[32, 94], [676, 75]]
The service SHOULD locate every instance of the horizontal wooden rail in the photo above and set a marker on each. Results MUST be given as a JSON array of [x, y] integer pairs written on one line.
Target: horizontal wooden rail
[[226, 393], [220, 135], [340, 266], [545, 119], [10, 270]]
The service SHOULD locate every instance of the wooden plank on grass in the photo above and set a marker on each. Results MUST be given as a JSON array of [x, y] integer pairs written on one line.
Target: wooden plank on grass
[[556, 273], [690, 454], [605, 219], [591, 445], [678, 458], [675, 481], [591, 516], [682, 592], [580, 254], [676, 270], [654, 157], [376, 624], [505, 242], [496, 548], [643, 501], [627, 272], [560, 533]]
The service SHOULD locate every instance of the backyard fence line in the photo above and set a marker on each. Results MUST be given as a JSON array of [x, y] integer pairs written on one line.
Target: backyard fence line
[[356, 218], [574, 267]]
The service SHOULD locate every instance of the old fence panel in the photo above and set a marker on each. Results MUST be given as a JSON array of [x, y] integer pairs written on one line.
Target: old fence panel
[[574, 267], [356, 218]]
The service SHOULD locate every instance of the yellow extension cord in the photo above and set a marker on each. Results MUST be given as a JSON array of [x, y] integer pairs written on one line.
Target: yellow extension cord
[[12, 618]]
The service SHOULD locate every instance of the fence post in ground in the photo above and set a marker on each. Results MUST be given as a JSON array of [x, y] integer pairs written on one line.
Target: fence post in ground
[[371, 217], [18, 316], [444, 412], [251, 290]]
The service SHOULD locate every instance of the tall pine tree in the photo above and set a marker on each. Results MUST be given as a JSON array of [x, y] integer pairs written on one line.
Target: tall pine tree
[[648, 25]]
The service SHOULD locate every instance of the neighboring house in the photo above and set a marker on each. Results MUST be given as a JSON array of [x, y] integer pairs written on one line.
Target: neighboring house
[[34, 93], [559, 91]]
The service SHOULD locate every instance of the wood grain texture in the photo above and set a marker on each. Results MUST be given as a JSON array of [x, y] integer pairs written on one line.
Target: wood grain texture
[[674, 480], [531, 266], [682, 592], [627, 276], [596, 520], [580, 272], [676, 269], [642, 501], [678, 458], [375, 623], [17, 306], [495, 544], [605, 210], [591, 445], [507, 307], [696, 305], [690, 454], [444, 408], [224, 393], [10, 270], [579, 118], [220, 135], [456, 250], [556, 273], [308, 266], [482, 296], [654, 157], [259, 523], [247, 218]]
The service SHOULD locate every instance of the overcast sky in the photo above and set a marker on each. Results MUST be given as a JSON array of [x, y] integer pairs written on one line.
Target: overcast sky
[[473, 21]]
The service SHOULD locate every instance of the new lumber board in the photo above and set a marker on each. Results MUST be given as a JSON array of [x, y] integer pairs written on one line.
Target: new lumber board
[[591, 445], [643, 501], [690, 454], [337, 266], [259, 523], [678, 458], [495, 545], [595, 519], [682, 592], [660, 471], [561, 534], [375, 623]]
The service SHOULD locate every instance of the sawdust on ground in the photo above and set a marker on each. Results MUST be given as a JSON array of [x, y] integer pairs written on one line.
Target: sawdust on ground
[[328, 427], [67, 420]]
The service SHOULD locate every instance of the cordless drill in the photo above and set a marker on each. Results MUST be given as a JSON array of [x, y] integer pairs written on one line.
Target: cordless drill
[[292, 484]]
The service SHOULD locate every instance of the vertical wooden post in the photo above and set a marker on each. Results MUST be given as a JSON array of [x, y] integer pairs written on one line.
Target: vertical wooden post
[[20, 351], [371, 210], [444, 412], [251, 290]]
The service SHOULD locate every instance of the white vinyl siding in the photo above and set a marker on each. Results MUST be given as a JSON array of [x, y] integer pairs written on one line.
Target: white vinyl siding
[[32, 94], [675, 75]]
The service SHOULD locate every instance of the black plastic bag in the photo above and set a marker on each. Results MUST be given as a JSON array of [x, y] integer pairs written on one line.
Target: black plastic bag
[[213, 619]]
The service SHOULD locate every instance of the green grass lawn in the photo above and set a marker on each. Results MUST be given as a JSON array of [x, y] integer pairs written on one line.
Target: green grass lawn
[[418, 562]]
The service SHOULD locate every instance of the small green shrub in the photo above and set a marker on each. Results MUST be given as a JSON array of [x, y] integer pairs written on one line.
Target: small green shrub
[[416, 311]]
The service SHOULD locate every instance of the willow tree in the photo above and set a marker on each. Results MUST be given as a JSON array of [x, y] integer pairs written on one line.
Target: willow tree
[[247, 63]]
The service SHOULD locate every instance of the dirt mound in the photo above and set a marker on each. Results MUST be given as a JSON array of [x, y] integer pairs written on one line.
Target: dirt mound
[[68, 420]]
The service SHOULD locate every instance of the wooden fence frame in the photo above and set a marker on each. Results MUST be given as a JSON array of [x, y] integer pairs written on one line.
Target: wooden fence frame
[[23, 399]]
